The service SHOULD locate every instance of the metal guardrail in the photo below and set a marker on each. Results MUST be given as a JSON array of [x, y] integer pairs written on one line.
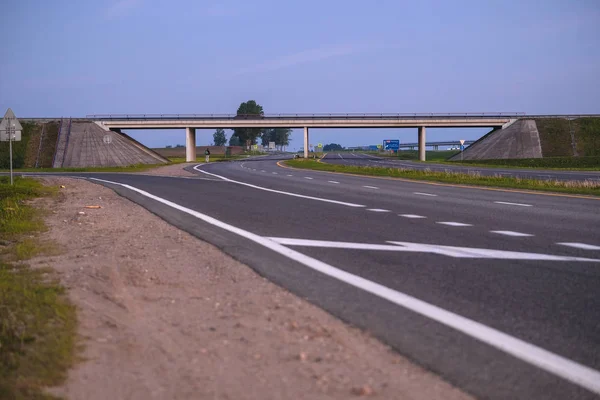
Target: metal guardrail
[[300, 115]]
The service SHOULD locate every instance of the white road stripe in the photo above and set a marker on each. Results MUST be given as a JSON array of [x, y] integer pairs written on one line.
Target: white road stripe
[[581, 246], [377, 210], [342, 203], [262, 170], [513, 204], [425, 194], [274, 173], [449, 223], [414, 216], [572, 371], [290, 175], [371, 187], [307, 177], [512, 233], [333, 182]]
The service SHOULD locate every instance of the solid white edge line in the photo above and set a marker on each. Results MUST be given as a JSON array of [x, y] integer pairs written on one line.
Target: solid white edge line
[[513, 204], [581, 246], [558, 365], [343, 203]]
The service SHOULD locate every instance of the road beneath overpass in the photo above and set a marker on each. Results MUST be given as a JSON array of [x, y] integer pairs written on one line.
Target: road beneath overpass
[[495, 291], [367, 160]]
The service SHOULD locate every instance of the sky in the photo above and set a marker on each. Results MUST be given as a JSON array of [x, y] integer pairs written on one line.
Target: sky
[[66, 58]]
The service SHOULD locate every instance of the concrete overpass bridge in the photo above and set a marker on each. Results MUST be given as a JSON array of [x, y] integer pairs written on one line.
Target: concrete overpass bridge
[[191, 122]]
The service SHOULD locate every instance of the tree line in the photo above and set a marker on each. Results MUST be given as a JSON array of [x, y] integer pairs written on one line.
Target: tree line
[[250, 136]]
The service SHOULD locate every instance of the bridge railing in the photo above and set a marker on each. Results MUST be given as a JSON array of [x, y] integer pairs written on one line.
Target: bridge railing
[[307, 116]]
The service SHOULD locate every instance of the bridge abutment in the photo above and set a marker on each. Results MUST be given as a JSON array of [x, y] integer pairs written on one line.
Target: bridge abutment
[[190, 144]]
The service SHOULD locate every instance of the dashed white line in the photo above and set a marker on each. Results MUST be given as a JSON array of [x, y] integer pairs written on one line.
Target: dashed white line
[[262, 170], [381, 210], [513, 204], [581, 246], [290, 175], [413, 216], [343, 203], [572, 371], [371, 187], [425, 194], [274, 173], [307, 177], [512, 233], [333, 182], [450, 223]]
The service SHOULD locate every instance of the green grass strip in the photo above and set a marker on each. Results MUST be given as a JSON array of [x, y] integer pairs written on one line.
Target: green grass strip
[[474, 179]]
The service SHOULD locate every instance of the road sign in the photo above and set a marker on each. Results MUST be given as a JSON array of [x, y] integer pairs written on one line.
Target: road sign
[[462, 141], [462, 147], [320, 145], [10, 130], [107, 139], [390, 144], [254, 147], [271, 145], [10, 127]]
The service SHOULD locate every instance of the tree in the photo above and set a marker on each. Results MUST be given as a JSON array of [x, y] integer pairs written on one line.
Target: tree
[[219, 137], [249, 109], [332, 147], [281, 136], [234, 140]]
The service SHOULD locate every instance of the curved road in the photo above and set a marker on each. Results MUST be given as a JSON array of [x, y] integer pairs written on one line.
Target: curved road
[[496, 291], [367, 160]]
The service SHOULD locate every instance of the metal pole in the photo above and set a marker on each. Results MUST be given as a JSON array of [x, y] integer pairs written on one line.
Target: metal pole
[[10, 147]]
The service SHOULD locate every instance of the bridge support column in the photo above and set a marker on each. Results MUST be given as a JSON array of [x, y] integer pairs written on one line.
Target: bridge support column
[[190, 144], [306, 142], [436, 147], [421, 143]]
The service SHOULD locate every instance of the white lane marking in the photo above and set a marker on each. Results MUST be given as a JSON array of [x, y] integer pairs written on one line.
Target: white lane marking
[[512, 233], [449, 251], [340, 156], [570, 370], [337, 183], [513, 204], [274, 173], [371, 187], [262, 170], [450, 223], [425, 194], [290, 175], [414, 216], [581, 246], [377, 210], [343, 203], [307, 177]]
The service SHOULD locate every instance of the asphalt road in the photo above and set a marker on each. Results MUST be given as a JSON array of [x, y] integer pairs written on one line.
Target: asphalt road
[[496, 291], [361, 159]]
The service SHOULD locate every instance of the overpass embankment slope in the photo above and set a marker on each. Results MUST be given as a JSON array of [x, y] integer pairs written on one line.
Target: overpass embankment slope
[[88, 145], [36, 147], [537, 138]]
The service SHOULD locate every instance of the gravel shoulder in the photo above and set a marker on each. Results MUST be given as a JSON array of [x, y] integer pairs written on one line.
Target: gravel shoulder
[[165, 315]]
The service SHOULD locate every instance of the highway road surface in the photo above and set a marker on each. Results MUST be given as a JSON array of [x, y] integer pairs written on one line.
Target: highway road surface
[[496, 291], [367, 160]]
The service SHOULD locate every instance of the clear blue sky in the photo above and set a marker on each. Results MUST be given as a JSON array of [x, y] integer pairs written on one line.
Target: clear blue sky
[[67, 58]]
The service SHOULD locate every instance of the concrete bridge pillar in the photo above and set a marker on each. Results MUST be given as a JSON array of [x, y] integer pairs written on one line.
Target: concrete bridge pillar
[[436, 148], [306, 142], [422, 143], [190, 144]]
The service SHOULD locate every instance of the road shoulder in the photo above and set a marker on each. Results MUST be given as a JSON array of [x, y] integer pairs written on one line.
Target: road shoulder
[[165, 315]]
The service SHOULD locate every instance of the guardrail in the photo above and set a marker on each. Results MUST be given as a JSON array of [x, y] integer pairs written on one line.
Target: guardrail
[[307, 116]]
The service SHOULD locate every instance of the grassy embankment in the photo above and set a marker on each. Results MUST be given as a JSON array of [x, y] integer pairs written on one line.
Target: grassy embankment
[[587, 188], [37, 322]]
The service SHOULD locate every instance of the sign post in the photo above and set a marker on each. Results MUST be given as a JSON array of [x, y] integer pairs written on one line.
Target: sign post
[[462, 147], [10, 129]]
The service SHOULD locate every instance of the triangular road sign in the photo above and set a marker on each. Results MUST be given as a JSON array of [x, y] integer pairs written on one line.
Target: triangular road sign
[[462, 141], [10, 115]]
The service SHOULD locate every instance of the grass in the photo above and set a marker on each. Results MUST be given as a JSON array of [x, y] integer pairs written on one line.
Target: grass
[[37, 322], [474, 179], [562, 163], [130, 168]]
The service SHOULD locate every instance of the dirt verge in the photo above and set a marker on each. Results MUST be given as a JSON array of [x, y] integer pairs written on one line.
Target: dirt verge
[[165, 315]]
